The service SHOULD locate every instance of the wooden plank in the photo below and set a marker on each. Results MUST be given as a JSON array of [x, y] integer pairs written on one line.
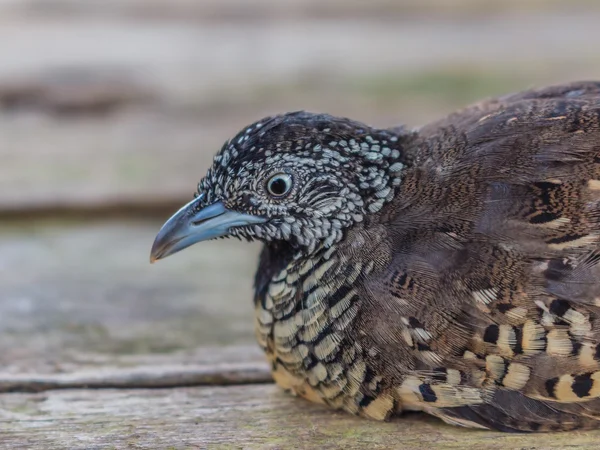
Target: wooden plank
[[98, 108], [259, 10], [204, 366], [252, 416], [80, 297]]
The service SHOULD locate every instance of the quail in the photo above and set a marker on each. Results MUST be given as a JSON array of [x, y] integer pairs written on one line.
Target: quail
[[452, 269]]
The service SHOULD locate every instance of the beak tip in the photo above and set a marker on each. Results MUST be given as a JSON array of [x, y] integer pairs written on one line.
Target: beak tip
[[156, 253]]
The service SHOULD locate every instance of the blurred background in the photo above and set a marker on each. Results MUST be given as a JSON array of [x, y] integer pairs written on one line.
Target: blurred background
[[111, 110]]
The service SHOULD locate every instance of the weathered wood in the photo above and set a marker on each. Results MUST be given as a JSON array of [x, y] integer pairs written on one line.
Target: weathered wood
[[79, 297], [260, 10], [98, 108], [252, 416], [204, 366]]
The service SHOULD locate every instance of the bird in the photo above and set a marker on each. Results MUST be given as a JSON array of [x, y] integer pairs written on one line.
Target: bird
[[452, 268]]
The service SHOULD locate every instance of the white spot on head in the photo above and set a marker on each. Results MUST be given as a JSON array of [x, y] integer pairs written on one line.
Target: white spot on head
[[396, 167], [372, 156]]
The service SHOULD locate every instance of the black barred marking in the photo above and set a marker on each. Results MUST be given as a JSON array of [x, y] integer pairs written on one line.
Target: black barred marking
[[582, 384], [546, 189], [544, 339], [504, 307], [291, 313], [518, 347], [559, 307], [369, 375], [440, 374], [310, 361], [551, 386], [540, 313], [500, 377], [557, 269], [543, 217], [423, 347], [326, 331], [378, 388], [597, 353], [491, 334], [563, 323], [314, 287], [414, 322], [576, 347], [338, 295], [366, 401], [403, 280], [544, 186], [565, 238], [263, 302], [427, 393]]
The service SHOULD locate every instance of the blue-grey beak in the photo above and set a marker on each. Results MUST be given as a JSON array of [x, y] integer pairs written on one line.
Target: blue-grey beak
[[192, 224]]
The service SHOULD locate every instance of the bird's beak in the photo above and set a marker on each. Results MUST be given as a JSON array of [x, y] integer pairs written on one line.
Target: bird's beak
[[192, 224]]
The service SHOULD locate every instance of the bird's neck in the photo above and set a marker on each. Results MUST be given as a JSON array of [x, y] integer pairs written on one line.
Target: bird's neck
[[308, 294], [287, 273], [383, 159]]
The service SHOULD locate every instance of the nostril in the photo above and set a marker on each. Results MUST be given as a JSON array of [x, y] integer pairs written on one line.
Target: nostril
[[248, 199], [206, 219]]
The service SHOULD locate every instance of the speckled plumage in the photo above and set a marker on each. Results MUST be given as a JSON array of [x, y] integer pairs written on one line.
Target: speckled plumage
[[451, 269]]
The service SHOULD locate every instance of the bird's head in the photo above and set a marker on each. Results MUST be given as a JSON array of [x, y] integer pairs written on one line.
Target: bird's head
[[300, 177]]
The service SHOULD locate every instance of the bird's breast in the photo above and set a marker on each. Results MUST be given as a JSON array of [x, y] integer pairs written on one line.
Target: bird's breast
[[305, 322]]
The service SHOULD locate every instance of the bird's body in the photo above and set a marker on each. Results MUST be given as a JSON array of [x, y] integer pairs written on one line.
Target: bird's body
[[452, 269]]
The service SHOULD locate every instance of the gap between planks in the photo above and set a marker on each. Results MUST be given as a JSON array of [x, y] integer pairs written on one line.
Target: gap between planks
[[239, 365]]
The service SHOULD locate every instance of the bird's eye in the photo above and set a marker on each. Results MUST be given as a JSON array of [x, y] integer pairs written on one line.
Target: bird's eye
[[279, 184]]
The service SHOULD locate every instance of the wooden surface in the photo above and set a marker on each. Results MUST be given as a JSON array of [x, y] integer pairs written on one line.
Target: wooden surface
[[252, 416], [105, 102], [100, 349], [70, 290], [110, 111]]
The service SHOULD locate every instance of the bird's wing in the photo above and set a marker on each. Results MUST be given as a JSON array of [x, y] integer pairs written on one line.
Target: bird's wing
[[495, 275]]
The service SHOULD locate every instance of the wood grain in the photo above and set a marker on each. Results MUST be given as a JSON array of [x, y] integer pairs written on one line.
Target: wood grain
[[81, 296], [218, 366], [101, 107], [253, 416]]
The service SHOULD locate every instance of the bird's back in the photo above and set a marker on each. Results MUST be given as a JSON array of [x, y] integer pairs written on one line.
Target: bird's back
[[493, 276]]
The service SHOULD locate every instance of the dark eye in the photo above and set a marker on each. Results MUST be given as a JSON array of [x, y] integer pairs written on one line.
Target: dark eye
[[279, 184]]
